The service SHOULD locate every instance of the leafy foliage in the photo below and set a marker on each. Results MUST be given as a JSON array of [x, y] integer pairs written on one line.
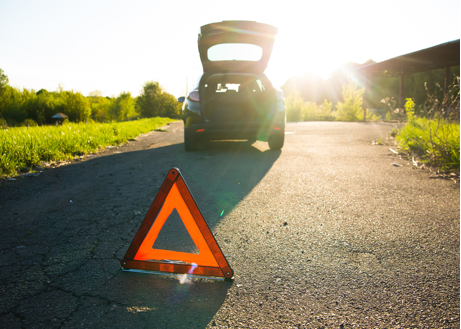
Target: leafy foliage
[[325, 110], [298, 110], [99, 107], [410, 109], [3, 80], [153, 101], [351, 108], [436, 140], [433, 137], [29, 123], [417, 86], [122, 108], [148, 101], [294, 104], [17, 105]]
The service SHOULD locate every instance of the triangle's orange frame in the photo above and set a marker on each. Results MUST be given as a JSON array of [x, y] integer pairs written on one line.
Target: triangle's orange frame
[[174, 194]]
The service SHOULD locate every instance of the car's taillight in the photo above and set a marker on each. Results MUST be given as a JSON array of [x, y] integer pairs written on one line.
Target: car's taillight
[[193, 96]]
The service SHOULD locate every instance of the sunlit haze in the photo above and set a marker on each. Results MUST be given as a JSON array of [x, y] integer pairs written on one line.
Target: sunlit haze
[[116, 46]]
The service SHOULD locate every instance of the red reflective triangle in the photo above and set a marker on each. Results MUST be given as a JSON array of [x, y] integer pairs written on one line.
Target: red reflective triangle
[[141, 255]]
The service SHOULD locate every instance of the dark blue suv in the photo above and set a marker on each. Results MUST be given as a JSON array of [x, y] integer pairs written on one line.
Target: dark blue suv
[[233, 99]]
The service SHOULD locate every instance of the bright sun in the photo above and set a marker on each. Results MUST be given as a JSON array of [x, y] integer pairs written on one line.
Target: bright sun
[[292, 57]]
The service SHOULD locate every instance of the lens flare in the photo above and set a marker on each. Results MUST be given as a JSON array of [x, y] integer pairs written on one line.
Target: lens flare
[[183, 277]]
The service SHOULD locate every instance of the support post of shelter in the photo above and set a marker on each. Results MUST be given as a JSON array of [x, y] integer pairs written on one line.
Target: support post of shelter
[[366, 84], [446, 108], [401, 92], [447, 77]]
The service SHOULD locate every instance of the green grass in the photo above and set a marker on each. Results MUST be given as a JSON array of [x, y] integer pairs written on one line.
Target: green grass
[[437, 141], [26, 148]]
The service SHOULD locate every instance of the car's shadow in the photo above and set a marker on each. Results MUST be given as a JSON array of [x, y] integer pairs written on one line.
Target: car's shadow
[[80, 220], [219, 175], [85, 215]]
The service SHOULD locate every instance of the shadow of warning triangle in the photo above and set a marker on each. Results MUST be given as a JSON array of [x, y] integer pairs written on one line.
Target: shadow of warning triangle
[[146, 253]]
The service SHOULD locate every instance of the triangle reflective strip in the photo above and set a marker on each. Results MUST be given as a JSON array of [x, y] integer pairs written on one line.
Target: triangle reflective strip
[[174, 194], [175, 201]]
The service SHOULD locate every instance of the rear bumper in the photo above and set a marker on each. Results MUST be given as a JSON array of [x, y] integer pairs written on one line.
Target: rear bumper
[[235, 130]]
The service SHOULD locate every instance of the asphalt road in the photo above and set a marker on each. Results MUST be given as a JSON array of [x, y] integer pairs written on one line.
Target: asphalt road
[[323, 234]]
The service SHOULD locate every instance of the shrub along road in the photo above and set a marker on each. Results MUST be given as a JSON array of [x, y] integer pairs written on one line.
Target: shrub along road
[[325, 233]]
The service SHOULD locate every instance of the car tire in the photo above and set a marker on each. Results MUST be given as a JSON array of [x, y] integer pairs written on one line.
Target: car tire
[[190, 144], [276, 141]]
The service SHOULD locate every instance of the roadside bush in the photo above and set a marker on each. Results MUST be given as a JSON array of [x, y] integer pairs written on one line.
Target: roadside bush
[[309, 111], [324, 112], [298, 110], [294, 104], [434, 137], [351, 108], [435, 140]]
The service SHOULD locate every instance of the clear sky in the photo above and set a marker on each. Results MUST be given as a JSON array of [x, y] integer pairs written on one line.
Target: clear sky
[[116, 46]]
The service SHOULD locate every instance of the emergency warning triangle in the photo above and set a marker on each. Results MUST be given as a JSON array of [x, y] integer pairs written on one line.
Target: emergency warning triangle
[[174, 194]]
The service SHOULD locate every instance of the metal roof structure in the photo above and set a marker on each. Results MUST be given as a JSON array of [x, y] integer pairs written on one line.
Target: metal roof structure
[[59, 116], [437, 57]]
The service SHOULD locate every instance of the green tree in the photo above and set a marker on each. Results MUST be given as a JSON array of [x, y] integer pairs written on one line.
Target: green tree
[[99, 108], [95, 93], [148, 103], [75, 106], [3, 80], [11, 108], [99, 105], [46, 104], [169, 106], [122, 107], [3, 101]]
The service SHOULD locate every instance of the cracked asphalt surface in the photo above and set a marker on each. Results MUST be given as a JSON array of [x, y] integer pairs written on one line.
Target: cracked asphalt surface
[[323, 234]]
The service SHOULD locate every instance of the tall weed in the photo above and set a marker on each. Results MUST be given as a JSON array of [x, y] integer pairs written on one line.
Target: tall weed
[[436, 140], [434, 137]]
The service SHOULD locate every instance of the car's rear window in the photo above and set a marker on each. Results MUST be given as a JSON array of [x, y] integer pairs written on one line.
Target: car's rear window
[[235, 52], [236, 84]]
